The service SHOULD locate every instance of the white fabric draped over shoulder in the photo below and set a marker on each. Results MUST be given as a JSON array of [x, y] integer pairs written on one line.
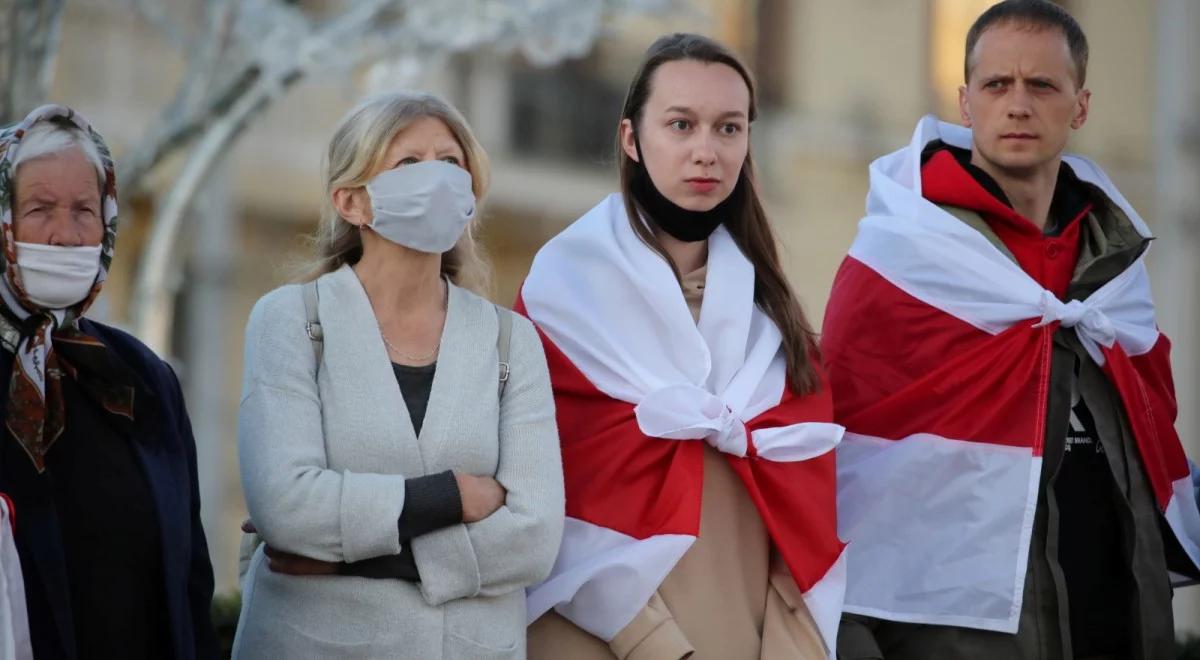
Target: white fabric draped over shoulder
[[616, 311]]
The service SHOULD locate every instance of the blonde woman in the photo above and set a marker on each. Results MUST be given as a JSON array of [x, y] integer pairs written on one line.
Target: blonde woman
[[397, 437]]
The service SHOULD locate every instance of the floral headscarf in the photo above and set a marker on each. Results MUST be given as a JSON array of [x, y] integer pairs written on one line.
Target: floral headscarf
[[48, 342]]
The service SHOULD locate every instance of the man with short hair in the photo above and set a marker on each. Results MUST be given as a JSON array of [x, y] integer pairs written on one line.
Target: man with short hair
[[1011, 484]]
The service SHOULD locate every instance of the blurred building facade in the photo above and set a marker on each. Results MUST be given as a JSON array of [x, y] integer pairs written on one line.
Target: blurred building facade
[[842, 82]]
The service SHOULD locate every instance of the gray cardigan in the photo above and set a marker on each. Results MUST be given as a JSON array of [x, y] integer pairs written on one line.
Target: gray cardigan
[[323, 463]]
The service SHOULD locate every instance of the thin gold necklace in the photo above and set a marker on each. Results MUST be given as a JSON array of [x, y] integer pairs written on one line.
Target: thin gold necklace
[[409, 358], [414, 358]]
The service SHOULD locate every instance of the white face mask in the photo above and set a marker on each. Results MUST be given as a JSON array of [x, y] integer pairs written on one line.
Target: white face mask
[[424, 206], [56, 277]]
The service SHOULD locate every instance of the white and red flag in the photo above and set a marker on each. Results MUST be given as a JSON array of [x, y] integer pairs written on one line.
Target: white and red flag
[[638, 386], [14, 620], [938, 347]]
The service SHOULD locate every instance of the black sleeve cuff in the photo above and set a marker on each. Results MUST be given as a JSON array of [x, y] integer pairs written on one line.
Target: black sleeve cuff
[[431, 502]]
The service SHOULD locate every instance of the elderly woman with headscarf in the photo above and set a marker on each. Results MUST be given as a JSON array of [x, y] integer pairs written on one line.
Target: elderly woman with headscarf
[[97, 459]]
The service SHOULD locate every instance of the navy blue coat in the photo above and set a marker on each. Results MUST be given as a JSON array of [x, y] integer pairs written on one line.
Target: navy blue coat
[[166, 452]]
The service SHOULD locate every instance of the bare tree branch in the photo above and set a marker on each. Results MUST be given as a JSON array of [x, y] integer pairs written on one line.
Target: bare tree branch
[[152, 300], [30, 33], [150, 313], [260, 48], [210, 49], [156, 13], [177, 128]]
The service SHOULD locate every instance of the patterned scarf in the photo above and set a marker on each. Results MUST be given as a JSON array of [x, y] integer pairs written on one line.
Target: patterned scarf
[[48, 343]]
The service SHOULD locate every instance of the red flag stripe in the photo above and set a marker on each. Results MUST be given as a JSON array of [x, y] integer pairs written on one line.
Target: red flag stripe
[[905, 367]]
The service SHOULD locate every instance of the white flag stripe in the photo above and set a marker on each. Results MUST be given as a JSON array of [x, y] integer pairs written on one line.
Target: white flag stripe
[[798, 442], [824, 602], [14, 620], [930, 255], [932, 539], [603, 578]]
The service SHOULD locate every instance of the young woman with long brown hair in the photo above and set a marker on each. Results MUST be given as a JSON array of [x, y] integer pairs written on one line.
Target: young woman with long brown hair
[[667, 320]]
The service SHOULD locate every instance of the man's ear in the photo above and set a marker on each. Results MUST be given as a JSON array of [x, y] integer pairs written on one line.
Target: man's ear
[[1081, 109], [964, 106]]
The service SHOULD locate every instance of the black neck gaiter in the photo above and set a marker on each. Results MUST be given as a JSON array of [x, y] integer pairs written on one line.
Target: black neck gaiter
[[680, 223]]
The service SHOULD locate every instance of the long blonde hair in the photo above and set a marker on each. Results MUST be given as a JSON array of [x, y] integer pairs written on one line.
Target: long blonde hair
[[356, 153]]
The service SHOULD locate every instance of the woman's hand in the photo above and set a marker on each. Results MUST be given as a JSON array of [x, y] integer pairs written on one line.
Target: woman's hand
[[288, 563], [481, 496]]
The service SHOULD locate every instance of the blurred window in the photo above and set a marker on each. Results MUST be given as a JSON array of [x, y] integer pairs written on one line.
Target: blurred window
[[567, 112], [772, 55]]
